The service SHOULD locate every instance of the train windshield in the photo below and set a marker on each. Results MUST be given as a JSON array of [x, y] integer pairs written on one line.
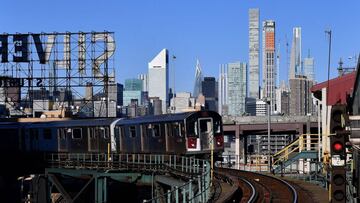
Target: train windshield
[[217, 126], [193, 129]]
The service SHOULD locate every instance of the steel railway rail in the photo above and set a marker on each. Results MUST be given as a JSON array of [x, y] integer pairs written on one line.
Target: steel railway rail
[[265, 188]]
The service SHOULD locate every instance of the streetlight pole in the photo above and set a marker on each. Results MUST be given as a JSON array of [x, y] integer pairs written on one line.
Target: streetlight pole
[[173, 94], [268, 129]]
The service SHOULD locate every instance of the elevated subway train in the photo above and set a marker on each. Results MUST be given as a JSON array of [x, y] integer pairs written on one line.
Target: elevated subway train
[[183, 133]]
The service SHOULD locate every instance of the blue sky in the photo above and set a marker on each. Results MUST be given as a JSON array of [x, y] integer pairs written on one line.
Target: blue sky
[[215, 32]]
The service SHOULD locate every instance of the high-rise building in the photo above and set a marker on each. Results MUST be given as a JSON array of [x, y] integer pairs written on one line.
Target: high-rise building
[[183, 102], [269, 68], [222, 91], [295, 55], [300, 97], [159, 78], [145, 82], [283, 98], [198, 79], [134, 84], [308, 65], [236, 83], [209, 86], [133, 91], [254, 53]]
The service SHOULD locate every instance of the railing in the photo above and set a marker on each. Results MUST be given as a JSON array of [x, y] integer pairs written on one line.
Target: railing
[[196, 189], [305, 142]]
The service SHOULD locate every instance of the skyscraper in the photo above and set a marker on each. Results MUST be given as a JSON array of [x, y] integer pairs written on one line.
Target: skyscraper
[[268, 62], [145, 82], [254, 53], [300, 96], [133, 91], [222, 91], [236, 84], [309, 68], [209, 86], [159, 78], [295, 55], [198, 79]]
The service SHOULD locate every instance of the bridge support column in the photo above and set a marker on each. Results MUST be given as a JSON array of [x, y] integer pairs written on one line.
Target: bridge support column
[[237, 152]]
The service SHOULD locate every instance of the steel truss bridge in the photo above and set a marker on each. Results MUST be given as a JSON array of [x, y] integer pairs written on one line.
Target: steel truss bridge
[[172, 178]]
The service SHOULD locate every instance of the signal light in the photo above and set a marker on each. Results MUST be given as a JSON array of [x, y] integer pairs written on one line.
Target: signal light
[[338, 147], [338, 122]]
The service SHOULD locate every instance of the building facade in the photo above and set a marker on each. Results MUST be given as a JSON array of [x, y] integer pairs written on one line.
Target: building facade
[[222, 90], [159, 78], [295, 55], [268, 62], [209, 90], [198, 79], [145, 82], [254, 53], [301, 102], [236, 83], [308, 65]]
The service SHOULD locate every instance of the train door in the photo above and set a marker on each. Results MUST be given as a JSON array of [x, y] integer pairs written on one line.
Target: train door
[[34, 139], [62, 140], [205, 130], [92, 140]]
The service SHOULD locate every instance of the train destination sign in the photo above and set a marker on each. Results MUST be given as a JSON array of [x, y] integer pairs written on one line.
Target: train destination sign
[[25, 48]]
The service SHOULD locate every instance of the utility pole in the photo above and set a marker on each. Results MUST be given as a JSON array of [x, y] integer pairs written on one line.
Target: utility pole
[[173, 93]]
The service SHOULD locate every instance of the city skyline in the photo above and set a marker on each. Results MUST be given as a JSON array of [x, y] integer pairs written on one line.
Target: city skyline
[[195, 31]]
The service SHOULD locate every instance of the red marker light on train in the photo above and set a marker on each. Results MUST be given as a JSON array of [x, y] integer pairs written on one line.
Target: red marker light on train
[[219, 141], [192, 142]]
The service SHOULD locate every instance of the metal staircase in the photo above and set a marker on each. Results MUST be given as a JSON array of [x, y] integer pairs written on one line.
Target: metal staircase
[[305, 147]]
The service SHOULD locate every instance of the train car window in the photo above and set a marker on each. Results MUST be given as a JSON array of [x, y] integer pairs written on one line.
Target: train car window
[[34, 134], [121, 131], [47, 133], [204, 126], [149, 130], [104, 132], [196, 128], [76, 133], [62, 134], [182, 129], [156, 130], [132, 131], [176, 130], [92, 134], [68, 131], [192, 128], [217, 126]]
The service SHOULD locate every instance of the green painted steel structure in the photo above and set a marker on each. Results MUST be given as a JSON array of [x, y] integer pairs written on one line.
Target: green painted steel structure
[[142, 169]]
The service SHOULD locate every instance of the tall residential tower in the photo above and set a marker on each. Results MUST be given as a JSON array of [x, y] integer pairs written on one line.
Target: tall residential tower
[[295, 55], [268, 63], [254, 53]]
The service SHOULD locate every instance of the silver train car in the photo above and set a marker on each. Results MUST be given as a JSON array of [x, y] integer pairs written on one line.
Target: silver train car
[[190, 133]]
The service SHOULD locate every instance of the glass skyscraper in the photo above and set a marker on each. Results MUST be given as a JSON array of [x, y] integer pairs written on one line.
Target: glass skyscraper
[[295, 57], [236, 84], [308, 65]]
